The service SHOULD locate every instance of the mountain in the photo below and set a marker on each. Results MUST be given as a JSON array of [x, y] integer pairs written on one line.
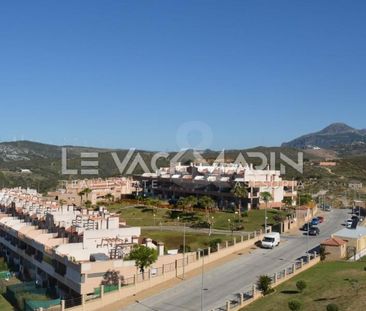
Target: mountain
[[44, 161], [339, 137]]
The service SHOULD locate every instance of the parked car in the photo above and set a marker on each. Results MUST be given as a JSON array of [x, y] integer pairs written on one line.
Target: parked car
[[321, 219], [306, 226], [270, 240], [327, 208], [349, 223], [314, 231], [359, 218], [315, 221]]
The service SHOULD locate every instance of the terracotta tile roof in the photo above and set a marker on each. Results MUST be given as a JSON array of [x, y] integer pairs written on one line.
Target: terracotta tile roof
[[333, 242]]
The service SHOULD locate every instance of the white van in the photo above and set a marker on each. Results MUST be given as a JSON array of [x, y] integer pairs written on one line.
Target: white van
[[270, 240]]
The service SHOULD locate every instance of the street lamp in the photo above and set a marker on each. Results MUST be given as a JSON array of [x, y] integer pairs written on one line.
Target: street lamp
[[184, 247], [202, 275], [211, 225], [154, 219]]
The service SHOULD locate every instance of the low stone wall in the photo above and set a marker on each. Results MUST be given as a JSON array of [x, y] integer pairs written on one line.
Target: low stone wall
[[165, 273]]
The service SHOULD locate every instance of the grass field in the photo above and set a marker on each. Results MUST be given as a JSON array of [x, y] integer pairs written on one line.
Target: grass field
[[144, 216], [173, 240], [340, 283]]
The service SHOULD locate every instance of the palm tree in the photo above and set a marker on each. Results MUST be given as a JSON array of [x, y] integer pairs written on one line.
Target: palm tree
[[266, 197], [187, 202], [81, 194], [240, 192], [109, 197], [86, 192], [207, 203]]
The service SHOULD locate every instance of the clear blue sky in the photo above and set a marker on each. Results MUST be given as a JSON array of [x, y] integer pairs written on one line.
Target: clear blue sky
[[130, 73]]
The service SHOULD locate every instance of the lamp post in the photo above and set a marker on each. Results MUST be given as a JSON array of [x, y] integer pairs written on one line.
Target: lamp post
[[202, 276], [154, 219], [184, 248], [211, 225]]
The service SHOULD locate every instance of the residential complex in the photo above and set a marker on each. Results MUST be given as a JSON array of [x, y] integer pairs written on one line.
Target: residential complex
[[63, 246], [217, 180], [114, 188]]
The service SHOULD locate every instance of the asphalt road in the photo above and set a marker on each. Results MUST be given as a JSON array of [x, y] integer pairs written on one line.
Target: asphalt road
[[223, 282]]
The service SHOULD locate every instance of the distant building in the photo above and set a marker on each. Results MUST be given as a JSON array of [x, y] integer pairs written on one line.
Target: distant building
[[327, 164], [217, 181], [335, 248], [25, 171], [355, 185], [117, 187], [356, 240]]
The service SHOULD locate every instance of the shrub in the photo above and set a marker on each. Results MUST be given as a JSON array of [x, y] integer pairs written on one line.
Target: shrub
[[294, 305], [213, 244], [332, 307], [264, 284], [301, 285]]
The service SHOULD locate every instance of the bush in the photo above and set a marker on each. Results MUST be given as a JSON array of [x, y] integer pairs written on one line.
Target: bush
[[264, 284], [213, 244], [332, 307], [294, 305], [301, 285], [188, 249]]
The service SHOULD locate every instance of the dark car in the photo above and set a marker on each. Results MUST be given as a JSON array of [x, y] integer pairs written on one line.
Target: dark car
[[305, 227], [314, 231]]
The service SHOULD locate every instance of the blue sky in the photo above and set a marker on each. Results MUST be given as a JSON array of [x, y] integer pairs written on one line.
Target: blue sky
[[132, 73]]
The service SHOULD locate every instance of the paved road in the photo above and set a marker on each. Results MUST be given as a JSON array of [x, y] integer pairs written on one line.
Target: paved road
[[223, 282]]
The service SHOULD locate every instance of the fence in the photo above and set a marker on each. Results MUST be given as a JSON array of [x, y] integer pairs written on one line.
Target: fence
[[251, 293], [157, 275]]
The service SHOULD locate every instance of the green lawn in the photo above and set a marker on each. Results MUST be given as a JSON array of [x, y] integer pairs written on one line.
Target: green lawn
[[341, 283], [144, 216], [173, 240], [254, 220]]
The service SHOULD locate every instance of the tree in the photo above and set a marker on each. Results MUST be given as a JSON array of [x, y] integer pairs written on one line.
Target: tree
[[88, 203], [287, 201], [294, 305], [305, 199], [322, 253], [143, 256], [86, 192], [187, 202], [264, 284], [240, 192], [301, 285], [207, 203], [111, 277], [81, 194], [266, 197], [109, 197]]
